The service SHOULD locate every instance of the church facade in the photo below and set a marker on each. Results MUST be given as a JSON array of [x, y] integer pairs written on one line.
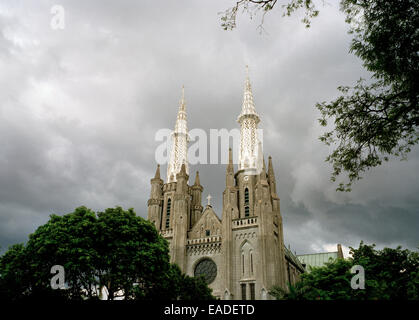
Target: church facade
[[242, 255]]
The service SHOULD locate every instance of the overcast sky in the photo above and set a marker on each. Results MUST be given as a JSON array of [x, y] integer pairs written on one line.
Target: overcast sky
[[79, 109]]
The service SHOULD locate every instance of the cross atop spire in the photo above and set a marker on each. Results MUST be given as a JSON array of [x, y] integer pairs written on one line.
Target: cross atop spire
[[209, 200]]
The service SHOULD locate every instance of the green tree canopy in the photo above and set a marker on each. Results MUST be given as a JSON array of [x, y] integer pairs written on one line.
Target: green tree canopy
[[114, 249], [390, 274]]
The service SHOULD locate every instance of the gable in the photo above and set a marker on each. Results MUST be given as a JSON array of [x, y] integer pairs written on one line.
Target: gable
[[208, 221]]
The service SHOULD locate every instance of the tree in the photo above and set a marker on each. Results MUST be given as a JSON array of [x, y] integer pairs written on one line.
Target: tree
[[373, 120], [13, 279], [390, 274], [114, 250], [178, 286], [252, 7]]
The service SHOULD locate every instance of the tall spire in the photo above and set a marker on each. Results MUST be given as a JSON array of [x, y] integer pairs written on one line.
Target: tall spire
[[230, 170], [180, 138], [248, 106], [248, 119], [230, 167]]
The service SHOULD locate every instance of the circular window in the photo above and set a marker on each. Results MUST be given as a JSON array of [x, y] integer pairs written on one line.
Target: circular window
[[206, 268]]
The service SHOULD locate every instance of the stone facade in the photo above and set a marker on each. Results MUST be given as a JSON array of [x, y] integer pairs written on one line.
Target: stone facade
[[242, 255]]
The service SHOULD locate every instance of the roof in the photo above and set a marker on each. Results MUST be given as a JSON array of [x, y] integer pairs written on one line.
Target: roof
[[293, 259], [317, 259]]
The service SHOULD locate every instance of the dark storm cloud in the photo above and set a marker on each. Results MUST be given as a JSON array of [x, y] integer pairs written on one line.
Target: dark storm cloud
[[79, 109]]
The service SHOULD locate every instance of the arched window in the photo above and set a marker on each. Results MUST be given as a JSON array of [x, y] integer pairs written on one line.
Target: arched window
[[246, 203], [169, 204], [246, 260]]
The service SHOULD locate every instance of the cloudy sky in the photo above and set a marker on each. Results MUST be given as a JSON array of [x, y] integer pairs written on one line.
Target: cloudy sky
[[80, 107]]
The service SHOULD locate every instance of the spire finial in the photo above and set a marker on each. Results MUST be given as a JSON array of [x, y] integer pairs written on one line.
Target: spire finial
[[182, 105], [209, 200]]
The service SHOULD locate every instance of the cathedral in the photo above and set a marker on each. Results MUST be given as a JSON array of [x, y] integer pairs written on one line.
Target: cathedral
[[242, 255]]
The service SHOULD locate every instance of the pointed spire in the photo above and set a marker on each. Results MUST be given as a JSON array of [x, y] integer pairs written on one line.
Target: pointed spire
[[270, 167], [263, 173], [182, 103], [181, 125], [197, 182], [230, 167], [248, 107], [261, 177], [183, 169], [230, 170], [180, 139], [248, 119], [157, 175]]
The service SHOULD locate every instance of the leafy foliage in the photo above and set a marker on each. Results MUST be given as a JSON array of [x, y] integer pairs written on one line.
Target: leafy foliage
[[114, 249], [390, 274], [375, 121], [252, 7]]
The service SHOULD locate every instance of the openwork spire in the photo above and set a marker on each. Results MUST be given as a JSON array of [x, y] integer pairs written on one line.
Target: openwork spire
[[180, 139], [248, 119], [248, 106]]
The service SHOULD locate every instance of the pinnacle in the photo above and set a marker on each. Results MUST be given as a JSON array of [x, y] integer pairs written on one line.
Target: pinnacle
[[230, 167], [270, 167], [248, 107], [263, 173], [157, 175], [197, 182]]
